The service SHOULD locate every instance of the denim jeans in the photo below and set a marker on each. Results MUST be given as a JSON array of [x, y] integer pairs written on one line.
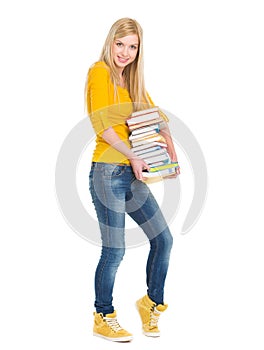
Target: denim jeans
[[115, 191]]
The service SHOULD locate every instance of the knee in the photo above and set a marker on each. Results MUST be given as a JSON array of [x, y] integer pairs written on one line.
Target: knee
[[164, 240], [113, 255], [168, 240]]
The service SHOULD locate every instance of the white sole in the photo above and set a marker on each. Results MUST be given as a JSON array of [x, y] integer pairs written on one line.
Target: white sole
[[121, 340], [153, 335]]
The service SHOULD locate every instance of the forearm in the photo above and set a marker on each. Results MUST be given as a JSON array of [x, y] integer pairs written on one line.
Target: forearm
[[165, 132], [138, 164], [111, 137]]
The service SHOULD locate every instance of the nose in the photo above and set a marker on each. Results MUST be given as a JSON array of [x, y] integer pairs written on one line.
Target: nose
[[125, 51]]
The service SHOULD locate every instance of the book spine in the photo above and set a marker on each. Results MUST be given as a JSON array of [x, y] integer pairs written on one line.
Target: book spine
[[143, 118], [161, 173], [147, 150], [152, 154], [147, 123], [145, 111], [142, 130], [142, 135], [156, 137], [165, 166], [164, 158]]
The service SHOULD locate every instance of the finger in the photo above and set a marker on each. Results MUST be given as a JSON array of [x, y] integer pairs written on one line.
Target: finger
[[139, 175], [146, 166]]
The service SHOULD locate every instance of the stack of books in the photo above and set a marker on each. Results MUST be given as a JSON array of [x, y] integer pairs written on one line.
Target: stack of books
[[148, 144]]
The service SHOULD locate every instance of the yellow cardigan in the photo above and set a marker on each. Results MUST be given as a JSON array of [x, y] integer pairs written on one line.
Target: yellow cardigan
[[107, 110]]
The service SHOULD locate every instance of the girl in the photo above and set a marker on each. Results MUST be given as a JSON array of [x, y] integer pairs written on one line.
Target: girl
[[114, 89]]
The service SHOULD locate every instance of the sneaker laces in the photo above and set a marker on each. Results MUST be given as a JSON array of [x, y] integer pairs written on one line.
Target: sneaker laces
[[113, 324], [154, 317]]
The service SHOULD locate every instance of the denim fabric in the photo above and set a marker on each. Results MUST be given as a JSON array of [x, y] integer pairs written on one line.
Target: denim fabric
[[115, 191]]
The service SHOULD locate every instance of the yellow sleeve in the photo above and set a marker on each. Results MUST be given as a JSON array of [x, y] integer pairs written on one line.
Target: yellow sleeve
[[163, 115], [98, 97]]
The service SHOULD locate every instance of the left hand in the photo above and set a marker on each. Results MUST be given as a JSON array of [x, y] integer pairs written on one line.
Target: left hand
[[173, 176]]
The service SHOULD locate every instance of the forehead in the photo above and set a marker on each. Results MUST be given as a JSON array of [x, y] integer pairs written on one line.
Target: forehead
[[129, 39]]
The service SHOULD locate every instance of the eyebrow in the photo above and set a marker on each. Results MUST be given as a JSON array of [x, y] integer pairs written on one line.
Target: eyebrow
[[136, 44]]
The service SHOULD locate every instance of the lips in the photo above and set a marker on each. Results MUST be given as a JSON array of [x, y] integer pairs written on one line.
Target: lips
[[122, 60]]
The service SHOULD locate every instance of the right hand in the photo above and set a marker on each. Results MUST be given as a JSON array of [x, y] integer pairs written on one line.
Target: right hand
[[138, 165]]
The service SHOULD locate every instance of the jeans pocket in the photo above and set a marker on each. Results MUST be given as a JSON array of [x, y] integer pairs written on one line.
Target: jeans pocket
[[113, 171]]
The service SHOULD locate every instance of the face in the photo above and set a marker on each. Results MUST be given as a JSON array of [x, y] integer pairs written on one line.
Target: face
[[124, 50]]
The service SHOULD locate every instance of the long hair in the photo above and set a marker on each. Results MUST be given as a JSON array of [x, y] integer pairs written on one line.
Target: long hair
[[134, 72]]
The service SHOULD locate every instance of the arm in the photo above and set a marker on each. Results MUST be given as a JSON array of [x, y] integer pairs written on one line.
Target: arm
[[165, 132], [138, 164]]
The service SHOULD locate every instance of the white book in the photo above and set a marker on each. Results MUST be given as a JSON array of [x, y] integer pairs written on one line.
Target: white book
[[158, 158], [147, 150], [144, 134], [147, 155], [140, 118], [145, 111], [157, 164], [150, 122], [144, 146], [162, 144], [143, 129]]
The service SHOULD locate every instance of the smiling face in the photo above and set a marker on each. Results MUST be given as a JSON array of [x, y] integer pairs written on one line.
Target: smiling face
[[124, 51]]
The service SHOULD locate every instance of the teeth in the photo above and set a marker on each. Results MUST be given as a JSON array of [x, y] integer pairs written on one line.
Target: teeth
[[123, 59]]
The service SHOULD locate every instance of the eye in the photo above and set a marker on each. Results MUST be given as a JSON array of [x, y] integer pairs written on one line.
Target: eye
[[119, 44], [133, 47]]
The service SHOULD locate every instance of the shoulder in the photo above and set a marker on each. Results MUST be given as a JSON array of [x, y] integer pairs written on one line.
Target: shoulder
[[99, 70]]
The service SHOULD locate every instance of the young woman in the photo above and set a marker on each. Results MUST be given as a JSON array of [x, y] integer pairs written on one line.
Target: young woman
[[114, 89]]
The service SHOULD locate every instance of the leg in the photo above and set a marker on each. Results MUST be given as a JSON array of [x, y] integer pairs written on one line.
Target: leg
[[106, 191], [157, 265], [105, 278], [143, 208]]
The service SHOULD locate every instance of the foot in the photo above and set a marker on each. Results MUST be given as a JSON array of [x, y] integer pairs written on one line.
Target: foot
[[108, 328], [149, 313]]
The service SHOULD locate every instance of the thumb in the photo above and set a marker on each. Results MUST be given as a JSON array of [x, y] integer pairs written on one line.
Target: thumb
[[145, 166]]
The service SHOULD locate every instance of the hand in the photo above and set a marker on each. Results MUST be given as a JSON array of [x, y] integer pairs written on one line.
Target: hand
[[173, 176], [138, 165]]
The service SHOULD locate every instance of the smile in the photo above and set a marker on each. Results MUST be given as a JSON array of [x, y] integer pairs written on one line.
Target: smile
[[122, 60]]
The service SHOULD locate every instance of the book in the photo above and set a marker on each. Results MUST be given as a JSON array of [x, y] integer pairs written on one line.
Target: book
[[161, 173], [143, 116], [148, 146], [147, 155], [148, 139], [143, 129], [144, 134], [156, 164], [145, 151], [163, 167], [147, 123], [164, 158], [162, 144], [145, 111]]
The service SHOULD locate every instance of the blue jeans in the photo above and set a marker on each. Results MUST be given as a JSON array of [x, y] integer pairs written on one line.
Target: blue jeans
[[115, 191]]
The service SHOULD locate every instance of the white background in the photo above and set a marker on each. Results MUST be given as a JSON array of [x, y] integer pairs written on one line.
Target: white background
[[204, 63]]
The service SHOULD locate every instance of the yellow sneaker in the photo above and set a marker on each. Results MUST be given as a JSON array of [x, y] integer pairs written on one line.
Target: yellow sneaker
[[150, 313], [108, 328]]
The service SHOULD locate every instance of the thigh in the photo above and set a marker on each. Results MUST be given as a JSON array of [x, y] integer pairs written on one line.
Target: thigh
[[143, 208], [109, 201]]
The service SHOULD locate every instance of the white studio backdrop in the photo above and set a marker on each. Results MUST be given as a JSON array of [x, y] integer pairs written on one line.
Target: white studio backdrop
[[203, 63]]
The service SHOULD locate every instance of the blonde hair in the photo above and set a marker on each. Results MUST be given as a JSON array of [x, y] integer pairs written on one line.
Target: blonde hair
[[134, 72]]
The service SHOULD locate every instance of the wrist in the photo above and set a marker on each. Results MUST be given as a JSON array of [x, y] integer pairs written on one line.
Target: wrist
[[132, 156]]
